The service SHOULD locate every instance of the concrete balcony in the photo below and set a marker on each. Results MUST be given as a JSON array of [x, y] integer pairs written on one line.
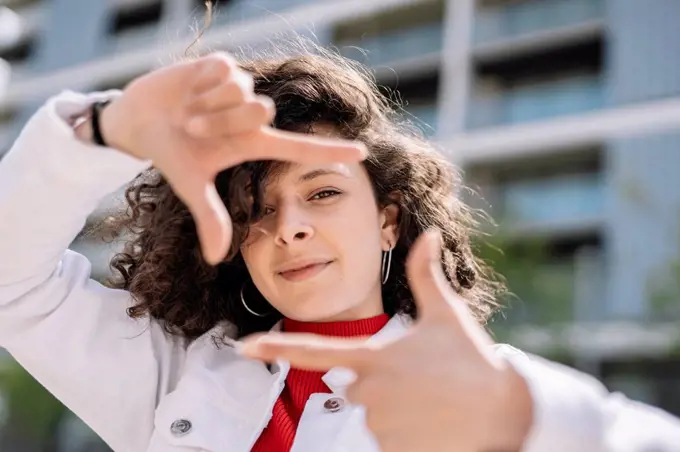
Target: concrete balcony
[[537, 101], [516, 19]]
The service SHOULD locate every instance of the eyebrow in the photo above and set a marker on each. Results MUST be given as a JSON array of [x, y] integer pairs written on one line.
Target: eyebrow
[[321, 172]]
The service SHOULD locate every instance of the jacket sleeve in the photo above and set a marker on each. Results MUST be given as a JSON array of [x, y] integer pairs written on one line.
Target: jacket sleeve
[[71, 333], [575, 412]]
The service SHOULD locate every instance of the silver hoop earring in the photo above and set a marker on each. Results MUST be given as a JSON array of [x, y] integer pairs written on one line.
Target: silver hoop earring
[[386, 264], [243, 301]]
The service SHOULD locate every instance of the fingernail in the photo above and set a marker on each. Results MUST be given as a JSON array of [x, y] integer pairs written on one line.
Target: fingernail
[[363, 150], [253, 347]]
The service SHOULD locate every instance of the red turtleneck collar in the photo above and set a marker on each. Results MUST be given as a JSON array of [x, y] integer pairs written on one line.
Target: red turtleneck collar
[[345, 328], [301, 384]]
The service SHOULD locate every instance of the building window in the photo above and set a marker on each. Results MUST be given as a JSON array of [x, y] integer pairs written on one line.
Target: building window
[[548, 242], [418, 97], [405, 34], [21, 51], [552, 281], [131, 17], [501, 20], [520, 85], [533, 193]]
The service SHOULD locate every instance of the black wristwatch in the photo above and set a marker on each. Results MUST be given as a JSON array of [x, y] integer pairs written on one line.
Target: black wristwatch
[[97, 135]]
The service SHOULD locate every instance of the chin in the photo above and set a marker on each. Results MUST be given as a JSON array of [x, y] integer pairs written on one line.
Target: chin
[[318, 308]]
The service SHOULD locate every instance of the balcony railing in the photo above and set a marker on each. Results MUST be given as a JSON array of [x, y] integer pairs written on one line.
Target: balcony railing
[[520, 18], [135, 38], [400, 45], [239, 10], [563, 199], [539, 101]]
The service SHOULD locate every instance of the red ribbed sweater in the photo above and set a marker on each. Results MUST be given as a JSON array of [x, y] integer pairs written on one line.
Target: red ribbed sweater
[[279, 434]]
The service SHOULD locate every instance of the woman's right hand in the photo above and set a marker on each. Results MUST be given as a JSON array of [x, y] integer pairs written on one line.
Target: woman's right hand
[[194, 119]]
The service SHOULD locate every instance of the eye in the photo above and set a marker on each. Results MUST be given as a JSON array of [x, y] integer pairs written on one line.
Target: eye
[[324, 194], [267, 211]]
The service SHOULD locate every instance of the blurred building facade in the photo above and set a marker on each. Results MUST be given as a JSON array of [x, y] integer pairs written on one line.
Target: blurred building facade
[[511, 88]]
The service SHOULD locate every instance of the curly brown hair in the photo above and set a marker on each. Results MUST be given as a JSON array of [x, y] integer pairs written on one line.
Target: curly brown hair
[[161, 266]]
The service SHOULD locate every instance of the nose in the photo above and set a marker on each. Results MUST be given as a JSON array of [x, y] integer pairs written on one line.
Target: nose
[[292, 226]]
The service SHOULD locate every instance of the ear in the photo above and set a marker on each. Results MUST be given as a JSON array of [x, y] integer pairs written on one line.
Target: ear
[[389, 225]]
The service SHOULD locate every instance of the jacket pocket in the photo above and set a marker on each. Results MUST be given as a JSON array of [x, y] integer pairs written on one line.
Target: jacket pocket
[[190, 422]]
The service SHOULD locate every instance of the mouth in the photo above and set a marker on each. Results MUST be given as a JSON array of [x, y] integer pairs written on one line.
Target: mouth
[[304, 271]]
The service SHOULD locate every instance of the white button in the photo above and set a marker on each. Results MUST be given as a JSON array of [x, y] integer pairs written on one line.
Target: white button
[[334, 404], [180, 427]]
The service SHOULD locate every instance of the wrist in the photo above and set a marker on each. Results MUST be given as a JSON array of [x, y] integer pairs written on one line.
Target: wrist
[[113, 128], [110, 127]]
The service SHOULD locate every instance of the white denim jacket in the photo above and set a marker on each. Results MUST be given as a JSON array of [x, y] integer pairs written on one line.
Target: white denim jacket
[[143, 390]]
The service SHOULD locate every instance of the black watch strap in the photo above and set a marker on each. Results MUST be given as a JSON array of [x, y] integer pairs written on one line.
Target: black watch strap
[[97, 135]]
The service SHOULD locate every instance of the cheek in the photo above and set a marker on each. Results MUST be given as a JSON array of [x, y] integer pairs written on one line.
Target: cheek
[[357, 237], [254, 256]]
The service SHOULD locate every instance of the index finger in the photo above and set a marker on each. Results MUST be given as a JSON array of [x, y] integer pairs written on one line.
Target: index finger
[[273, 144], [309, 351]]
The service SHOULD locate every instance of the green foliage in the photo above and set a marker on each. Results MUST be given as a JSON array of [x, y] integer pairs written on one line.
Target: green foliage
[[32, 410], [541, 289], [663, 289]]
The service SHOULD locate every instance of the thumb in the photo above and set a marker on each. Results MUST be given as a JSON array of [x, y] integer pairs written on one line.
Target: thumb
[[434, 295], [432, 292], [308, 351]]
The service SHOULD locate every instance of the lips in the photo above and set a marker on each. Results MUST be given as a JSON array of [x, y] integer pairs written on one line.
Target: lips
[[303, 270]]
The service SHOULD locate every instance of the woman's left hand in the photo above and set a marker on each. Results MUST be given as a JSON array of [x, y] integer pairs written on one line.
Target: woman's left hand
[[441, 387]]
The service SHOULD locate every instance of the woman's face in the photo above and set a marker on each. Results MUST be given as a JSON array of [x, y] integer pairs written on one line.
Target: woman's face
[[316, 254]]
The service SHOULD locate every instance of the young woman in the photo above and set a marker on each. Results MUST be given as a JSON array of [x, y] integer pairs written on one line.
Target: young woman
[[315, 242], [318, 246]]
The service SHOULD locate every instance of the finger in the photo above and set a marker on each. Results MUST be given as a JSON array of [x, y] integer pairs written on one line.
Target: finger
[[309, 351], [227, 94], [244, 118], [433, 295], [366, 391], [395, 441], [197, 190], [213, 70], [432, 292], [272, 144]]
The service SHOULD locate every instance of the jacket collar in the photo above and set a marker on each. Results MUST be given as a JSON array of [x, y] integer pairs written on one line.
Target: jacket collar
[[337, 379], [246, 389]]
